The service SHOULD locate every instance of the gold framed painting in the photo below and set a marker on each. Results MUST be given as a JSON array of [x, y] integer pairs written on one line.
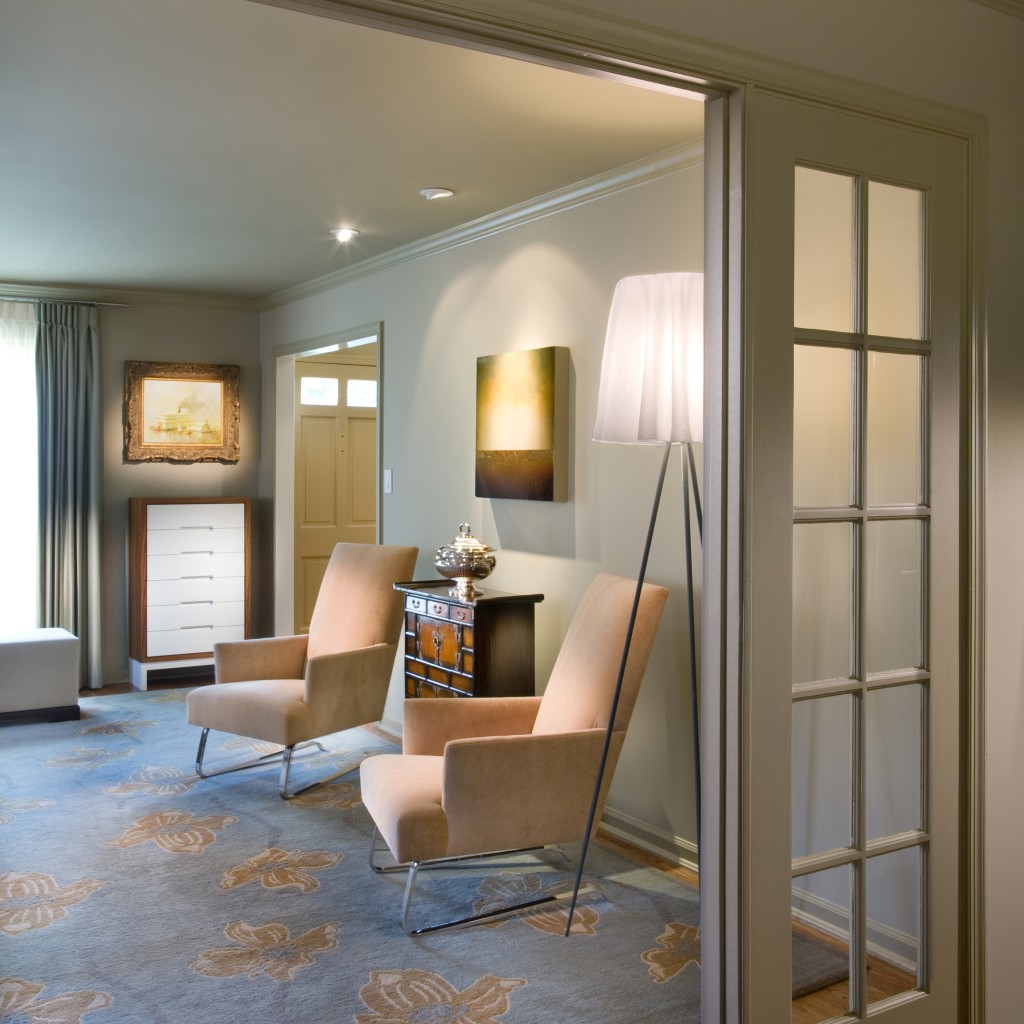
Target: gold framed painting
[[180, 412]]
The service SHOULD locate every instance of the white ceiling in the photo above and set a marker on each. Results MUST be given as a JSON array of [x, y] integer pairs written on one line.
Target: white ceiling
[[207, 147]]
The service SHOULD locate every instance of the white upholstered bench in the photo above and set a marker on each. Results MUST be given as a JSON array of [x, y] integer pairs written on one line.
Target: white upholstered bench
[[39, 674]]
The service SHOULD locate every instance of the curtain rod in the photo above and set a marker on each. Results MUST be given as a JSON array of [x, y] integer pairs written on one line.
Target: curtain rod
[[70, 302]]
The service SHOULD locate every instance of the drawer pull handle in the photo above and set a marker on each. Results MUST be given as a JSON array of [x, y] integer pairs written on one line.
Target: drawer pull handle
[[197, 602], [201, 551], [202, 576], [198, 627], [195, 527]]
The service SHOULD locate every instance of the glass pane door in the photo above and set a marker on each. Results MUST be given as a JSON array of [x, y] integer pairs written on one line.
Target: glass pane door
[[853, 558], [860, 564]]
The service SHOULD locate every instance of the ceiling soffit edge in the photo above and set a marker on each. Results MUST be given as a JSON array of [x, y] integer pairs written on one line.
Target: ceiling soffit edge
[[568, 35], [603, 186]]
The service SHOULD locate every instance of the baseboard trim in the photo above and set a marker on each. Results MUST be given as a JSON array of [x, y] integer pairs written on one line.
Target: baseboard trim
[[391, 726], [895, 947], [652, 840]]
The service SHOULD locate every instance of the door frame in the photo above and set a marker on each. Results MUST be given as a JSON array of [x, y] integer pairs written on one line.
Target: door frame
[[285, 358], [578, 40]]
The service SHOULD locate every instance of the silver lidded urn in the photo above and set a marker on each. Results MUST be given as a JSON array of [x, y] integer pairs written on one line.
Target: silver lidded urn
[[463, 561]]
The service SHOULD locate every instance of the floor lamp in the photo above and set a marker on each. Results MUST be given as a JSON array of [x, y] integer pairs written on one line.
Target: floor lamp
[[652, 392]]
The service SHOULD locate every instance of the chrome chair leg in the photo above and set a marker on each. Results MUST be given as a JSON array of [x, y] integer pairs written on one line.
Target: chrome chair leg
[[264, 759], [471, 919], [283, 786]]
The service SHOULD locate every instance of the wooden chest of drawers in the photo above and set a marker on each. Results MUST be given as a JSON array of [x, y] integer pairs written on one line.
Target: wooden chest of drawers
[[483, 648], [188, 580]]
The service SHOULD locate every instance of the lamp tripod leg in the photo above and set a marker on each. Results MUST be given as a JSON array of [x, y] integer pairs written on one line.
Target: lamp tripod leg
[[618, 688]]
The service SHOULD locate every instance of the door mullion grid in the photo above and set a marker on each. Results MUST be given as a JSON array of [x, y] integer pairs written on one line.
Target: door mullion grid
[[858, 988]]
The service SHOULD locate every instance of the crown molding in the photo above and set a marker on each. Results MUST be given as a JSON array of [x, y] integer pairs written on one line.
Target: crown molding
[[121, 296], [602, 186]]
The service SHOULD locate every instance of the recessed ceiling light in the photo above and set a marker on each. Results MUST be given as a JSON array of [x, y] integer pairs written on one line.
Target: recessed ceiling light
[[344, 234], [436, 193]]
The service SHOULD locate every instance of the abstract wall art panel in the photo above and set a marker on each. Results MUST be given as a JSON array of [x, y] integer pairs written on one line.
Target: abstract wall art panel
[[522, 425]]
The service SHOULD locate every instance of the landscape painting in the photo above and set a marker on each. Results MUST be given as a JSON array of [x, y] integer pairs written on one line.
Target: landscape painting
[[190, 411], [522, 425], [181, 412]]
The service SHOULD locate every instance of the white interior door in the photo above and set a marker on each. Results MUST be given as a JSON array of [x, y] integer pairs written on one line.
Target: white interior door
[[852, 679]]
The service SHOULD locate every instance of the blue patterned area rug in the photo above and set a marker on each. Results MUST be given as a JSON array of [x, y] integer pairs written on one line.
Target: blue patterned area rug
[[131, 891]]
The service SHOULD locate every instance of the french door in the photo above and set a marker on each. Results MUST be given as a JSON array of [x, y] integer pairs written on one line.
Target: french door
[[852, 528]]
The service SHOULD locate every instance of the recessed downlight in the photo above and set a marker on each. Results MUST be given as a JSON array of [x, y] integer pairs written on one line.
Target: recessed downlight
[[344, 234], [436, 193]]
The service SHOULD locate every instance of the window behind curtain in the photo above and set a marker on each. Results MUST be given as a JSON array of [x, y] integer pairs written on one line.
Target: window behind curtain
[[19, 528]]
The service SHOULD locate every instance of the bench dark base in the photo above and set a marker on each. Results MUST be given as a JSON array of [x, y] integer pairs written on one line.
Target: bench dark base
[[63, 713]]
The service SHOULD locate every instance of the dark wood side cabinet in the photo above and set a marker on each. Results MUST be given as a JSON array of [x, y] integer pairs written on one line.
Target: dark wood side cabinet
[[481, 648]]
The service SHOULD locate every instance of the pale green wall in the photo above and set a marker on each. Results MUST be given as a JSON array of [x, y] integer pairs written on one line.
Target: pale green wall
[[165, 333], [546, 283]]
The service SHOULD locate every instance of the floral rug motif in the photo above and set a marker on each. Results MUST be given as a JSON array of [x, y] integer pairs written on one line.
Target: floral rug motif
[[133, 892]]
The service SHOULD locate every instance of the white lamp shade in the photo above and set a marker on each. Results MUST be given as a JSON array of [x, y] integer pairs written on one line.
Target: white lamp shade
[[652, 372]]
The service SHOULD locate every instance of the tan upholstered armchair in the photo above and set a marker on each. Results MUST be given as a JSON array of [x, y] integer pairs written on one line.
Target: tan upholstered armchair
[[293, 689], [494, 774]]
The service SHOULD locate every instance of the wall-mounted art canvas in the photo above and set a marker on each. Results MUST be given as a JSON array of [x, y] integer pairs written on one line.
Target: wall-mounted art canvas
[[522, 425], [180, 412]]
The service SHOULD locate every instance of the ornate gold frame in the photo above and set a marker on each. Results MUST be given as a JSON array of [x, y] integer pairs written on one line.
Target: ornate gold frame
[[186, 442]]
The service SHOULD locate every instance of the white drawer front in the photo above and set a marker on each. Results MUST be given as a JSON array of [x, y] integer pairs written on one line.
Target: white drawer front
[[161, 643], [194, 614], [205, 540], [181, 567], [225, 588], [208, 514]]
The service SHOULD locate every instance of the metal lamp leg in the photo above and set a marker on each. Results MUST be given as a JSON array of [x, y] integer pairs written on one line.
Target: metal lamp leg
[[592, 815]]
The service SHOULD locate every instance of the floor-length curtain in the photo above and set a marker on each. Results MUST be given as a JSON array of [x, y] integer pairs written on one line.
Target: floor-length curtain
[[68, 383], [19, 578]]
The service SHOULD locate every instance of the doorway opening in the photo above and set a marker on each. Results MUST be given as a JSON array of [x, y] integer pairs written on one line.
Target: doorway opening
[[328, 477]]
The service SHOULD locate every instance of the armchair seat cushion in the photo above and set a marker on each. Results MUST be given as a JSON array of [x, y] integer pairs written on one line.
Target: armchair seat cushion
[[271, 709], [402, 792]]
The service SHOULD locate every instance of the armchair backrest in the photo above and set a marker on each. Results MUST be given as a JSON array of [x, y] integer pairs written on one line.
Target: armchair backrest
[[581, 687], [357, 605]]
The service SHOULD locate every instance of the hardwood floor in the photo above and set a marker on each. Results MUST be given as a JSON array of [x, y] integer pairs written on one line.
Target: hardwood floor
[[826, 1004], [162, 682], [831, 1003]]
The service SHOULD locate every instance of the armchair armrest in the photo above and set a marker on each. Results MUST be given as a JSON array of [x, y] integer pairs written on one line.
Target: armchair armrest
[[275, 657], [349, 688], [509, 792], [429, 723]]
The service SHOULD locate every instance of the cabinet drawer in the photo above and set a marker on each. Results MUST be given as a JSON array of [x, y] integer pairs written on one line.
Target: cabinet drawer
[[423, 672], [205, 588], [202, 541], [196, 515], [195, 614], [179, 567], [422, 688], [166, 642], [416, 604], [460, 613]]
